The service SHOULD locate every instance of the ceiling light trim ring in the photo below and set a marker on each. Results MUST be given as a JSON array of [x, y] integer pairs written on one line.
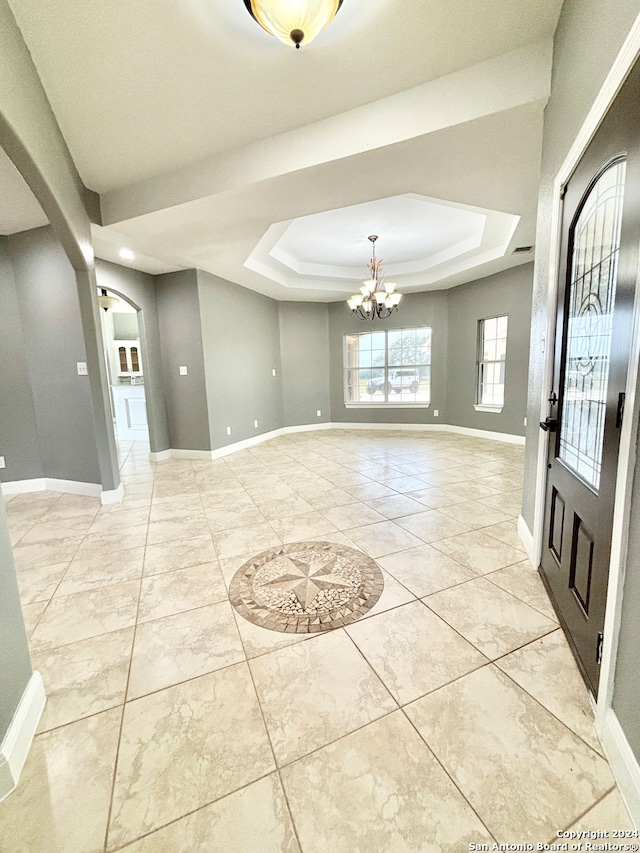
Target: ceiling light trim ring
[[293, 25]]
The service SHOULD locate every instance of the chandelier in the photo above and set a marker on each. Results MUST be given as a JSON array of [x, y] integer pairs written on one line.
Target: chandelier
[[293, 21], [377, 297]]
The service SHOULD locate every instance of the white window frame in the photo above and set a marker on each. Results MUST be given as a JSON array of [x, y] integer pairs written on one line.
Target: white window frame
[[482, 364], [386, 403]]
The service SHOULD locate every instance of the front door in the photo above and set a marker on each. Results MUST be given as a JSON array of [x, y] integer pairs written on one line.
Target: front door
[[598, 269]]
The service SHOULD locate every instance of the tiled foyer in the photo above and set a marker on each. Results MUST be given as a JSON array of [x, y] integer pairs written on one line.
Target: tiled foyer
[[451, 713]]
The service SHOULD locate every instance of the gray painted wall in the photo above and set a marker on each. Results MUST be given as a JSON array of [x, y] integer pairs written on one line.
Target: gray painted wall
[[19, 442], [140, 289], [589, 36], [507, 293], [54, 343], [304, 351], [181, 344], [15, 665], [241, 340]]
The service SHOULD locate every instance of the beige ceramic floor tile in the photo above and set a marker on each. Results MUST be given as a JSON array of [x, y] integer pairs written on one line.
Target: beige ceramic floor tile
[[131, 537], [475, 514], [50, 553], [396, 506], [492, 620], [507, 532], [435, 497], [547, 670], [178, 555], [84, 678], [226, 518], [176, 528], [383, 538], [370, 491], [86, 614], [49, 531], [330, 498], [92, 571], [182, 589], [39, 584], [524, 582], [243, 540], [185, 645], [258, 641], [62, 801], [311, 525], [507, 502], [523, 771], [184, 747], [479, 552], [432, 525], [32, 613], [393, 595], [274, 510], [424, 570], [610, 815], [114, 522], [378, 789], [352, 515], [410, 666], [253, 819], [329, 684]]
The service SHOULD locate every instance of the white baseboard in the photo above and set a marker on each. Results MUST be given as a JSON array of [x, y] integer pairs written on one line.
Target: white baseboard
[[526, 537], [624, 764], [112, 496], [160, 456], [19, 737], [68, 487], [71, 487], [219, 452]]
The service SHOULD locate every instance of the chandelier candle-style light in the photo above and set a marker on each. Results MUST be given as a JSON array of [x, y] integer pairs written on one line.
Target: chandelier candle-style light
[[293, 21], [377, 297]]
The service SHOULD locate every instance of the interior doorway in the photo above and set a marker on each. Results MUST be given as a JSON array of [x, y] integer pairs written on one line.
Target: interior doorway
[[124, 359]]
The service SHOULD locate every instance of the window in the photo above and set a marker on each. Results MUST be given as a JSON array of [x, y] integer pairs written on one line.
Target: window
[[492, 354], [388, 368]]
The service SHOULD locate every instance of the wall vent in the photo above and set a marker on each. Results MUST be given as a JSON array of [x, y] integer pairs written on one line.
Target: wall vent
[[522, 250]]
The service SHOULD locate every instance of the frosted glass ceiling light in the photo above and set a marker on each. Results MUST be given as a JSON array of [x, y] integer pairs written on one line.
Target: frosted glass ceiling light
[[377, 297], [105, 301], [293, 21]]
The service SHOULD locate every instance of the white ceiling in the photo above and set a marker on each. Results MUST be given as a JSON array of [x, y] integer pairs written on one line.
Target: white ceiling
[[200, 131]]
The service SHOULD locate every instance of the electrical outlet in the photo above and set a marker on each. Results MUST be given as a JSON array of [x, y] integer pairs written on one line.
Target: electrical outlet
[[255, 423], [228, 430], [82, 368], [273, 371], [2, 464], [183, 370], [319, 413], [435, 413]]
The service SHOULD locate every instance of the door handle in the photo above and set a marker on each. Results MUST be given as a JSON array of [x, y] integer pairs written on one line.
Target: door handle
[[549, 424]]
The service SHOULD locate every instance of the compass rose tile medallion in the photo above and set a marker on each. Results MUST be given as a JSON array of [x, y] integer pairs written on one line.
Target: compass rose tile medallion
[[305, 587]]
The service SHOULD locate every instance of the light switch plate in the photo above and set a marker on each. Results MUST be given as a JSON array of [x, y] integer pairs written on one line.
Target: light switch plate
[[82, 368], [2, 464], [183, 370]]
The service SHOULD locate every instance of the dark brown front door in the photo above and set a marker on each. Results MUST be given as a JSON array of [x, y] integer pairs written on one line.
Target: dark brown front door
[[598, 269]]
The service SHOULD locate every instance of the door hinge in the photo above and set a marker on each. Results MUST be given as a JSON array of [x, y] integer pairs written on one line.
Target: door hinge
[[599, 645]]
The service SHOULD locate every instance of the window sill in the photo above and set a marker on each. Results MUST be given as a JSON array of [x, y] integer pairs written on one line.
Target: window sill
[[495, 409], [387, 405]]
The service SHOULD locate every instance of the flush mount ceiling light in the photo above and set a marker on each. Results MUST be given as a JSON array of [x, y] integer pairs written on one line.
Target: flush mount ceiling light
[[293, 21], [377, 297], [105, 301], [126, 254]]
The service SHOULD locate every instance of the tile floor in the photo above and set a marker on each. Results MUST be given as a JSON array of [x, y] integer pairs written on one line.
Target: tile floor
[[451, 714]]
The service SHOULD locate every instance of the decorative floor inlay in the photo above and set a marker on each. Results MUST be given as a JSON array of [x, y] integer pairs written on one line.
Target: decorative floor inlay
[[306, 587]]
